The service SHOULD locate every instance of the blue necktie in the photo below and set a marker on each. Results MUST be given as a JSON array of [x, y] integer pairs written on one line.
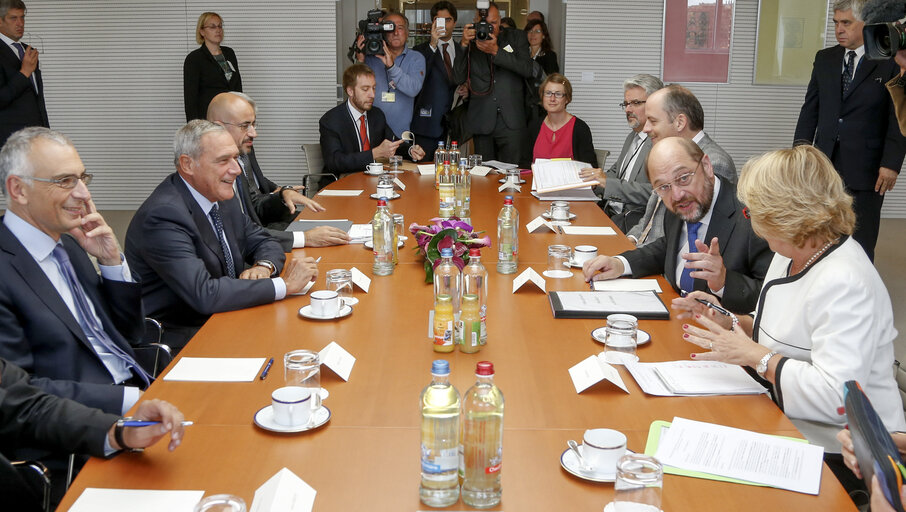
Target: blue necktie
[[218, 227], [686, 280], [848, 71], [88, 321]]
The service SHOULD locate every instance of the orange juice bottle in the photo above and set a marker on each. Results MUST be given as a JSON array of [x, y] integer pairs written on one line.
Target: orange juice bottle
[[443, 323]]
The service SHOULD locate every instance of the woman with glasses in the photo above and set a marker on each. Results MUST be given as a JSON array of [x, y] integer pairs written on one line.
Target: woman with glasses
[[209, 70], [541, 48], [559, 134], [823, 317]]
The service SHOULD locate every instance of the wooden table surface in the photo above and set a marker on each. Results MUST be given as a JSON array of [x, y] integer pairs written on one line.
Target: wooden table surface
[[367, 456]]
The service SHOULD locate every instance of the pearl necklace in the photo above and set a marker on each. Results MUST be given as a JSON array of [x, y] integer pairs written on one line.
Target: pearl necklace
[[817, 254]]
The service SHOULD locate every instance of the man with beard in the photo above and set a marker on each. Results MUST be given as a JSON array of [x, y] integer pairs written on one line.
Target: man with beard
[[708, 242], [624, 188]]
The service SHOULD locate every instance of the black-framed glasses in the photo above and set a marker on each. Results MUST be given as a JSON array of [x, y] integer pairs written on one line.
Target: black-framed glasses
[[555, 94], [681, 181], [67, 181], [634, 103], [245, 126]]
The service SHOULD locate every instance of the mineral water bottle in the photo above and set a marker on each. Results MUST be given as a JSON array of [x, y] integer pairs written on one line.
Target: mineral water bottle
[[440, 439], [462, 189], [481, 448], [507, 237], [453, 156], [448, 279], [439, 156], [382, 239], [475, 282]]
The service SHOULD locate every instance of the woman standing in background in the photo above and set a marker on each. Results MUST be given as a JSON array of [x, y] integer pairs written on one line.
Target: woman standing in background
[[209, 70]]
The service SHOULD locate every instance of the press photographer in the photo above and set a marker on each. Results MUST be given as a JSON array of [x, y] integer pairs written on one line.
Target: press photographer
[[885, 37]]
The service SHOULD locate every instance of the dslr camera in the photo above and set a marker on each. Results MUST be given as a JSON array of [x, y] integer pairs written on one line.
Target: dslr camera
[[483, 29], [883, 36], [374, 29]]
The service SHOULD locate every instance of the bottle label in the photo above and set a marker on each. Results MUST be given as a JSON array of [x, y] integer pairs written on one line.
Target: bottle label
[[493, 469], [459, 331], [446, 460], [444, 337]]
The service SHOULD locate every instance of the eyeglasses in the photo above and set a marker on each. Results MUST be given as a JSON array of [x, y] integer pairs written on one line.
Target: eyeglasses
[[554, 94], [245, 126], [634, 103], [213, 27], [535, 31], [68, 181], [681, 181]]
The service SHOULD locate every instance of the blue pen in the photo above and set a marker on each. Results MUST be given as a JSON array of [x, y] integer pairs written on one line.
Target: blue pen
[[267, 368], [137, 423]]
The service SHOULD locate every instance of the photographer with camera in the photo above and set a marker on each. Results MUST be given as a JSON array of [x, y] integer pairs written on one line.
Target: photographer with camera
[[398, 71], [495, 67]]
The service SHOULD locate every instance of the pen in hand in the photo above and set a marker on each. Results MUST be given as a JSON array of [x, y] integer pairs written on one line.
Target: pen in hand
[[139, 423], [715, 307]]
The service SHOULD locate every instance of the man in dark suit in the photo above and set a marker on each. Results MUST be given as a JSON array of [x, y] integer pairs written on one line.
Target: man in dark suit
[[436, 97], [353, 134], [849, 116], [495, 71], [708, 244], [21, 87], [624, 188], [268, 205], [31, 418], [196, 252]]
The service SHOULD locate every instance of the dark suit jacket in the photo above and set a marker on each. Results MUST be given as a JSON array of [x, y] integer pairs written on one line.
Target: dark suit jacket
[[863, 122], [20, 105], [32, 418], [40, 334], [548, 62], [437, 91], [745, 255], [170, 243], [265, 208], [203, 78], [507, 92], [635, 191], [340, 139], [583, 145]]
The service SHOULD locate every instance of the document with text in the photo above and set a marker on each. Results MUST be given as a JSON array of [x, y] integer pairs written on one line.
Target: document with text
[[557, 175]]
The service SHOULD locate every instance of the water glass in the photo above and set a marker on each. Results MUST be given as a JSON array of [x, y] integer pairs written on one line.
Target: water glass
[[221, 503], [303, 368], [639, 484], [395, 161], [340, 281], [620, 339], [474, 161], [558, 260]]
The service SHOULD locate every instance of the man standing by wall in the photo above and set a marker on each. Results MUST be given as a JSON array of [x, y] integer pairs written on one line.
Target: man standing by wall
[[21, 87]]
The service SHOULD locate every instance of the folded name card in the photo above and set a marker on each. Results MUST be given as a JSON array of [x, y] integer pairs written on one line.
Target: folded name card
[[511, 182], [529, 275], [480, 170], [399, 184], [426, 169], [593, 370], [337, 359], [284, 492], [361, 280], [537, 223]]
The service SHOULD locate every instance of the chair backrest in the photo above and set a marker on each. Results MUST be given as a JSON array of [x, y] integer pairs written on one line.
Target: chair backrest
[[36, 476], [900, 375], [602, 155], [314, 159]]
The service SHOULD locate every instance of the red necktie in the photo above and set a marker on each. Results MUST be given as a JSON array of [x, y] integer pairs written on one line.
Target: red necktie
[[363, 134], [447, 63]]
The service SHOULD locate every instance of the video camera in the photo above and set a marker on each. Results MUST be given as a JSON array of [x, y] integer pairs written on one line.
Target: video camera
[[882, 35], [374, 29], [483, 29]]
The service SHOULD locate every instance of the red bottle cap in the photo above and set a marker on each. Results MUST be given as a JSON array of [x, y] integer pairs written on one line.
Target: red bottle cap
[[475, 251], [507, 200], [484, 369], [381, 202]]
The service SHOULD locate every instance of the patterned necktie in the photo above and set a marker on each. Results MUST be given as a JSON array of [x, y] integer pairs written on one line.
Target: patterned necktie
[[848, 71], [363, 134], [686, 281], [218, 227], [447, 63], [87, 320]]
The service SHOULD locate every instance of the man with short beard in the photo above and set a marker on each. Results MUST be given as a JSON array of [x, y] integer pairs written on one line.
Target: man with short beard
[[708, 242]]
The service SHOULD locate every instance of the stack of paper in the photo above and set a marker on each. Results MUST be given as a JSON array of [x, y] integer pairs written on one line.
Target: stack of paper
[[557, 175], [693, 378], [360, 233], [576, 194], [136, 500], [216, 369], [503, 166]]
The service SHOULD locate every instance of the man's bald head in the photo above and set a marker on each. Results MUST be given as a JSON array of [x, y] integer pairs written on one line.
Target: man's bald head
[[237, 113]]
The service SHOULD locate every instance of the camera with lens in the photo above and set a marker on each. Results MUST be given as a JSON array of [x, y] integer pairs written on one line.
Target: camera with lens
[[374, 29], [883, 36], [483, 29]]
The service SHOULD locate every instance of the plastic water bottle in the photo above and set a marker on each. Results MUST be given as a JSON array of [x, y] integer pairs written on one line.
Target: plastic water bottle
[[475, 282], [382, 238], [439, 156], [462, 189], [440, 439], [448, 279], [482, 440], [453, 156], [507, 237]]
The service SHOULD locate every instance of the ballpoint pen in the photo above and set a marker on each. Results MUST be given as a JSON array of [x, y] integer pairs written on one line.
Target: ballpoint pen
[[715, 307], [139, 423], [267, 368]]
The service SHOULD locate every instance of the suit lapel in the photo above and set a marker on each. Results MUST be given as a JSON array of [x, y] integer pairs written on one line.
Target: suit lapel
[[201, 222], [673, 230], [722, 224], [640, 159], [865, 68]]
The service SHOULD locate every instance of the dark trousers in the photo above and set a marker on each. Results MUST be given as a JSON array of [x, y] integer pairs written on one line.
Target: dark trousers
[[429, 144], [503, 144], [867, 205], [626, 219]]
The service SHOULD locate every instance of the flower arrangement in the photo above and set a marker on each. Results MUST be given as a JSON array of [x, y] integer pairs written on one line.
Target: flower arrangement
[[443, 233]]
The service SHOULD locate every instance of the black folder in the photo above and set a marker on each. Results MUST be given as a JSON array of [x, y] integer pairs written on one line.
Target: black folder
[[644, 305]]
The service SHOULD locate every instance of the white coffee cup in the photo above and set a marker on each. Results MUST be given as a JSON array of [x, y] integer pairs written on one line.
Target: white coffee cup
[[559, 211], [325, 303], [602, 448], [583, 253], [291, 406], [375, 167], [384, 190]]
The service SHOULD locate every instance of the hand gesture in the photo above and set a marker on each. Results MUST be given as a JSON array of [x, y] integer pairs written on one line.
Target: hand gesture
[[292, 197], [298, 273], [887, 178], [688, 307], [323, 236], [142, 437], [708, 264], [602, 268], [96, 237], [727, 346], [416, 153], [29, 62], [593, 174], [489, 45], [385, 149], [436, 34]]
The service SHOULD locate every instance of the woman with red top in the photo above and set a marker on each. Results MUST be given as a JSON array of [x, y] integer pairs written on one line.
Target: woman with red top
[[560, 134]]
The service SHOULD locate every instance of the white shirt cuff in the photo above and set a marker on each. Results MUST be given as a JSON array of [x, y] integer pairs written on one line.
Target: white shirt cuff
[[298, 239], [130, 396], [279, 288], [117, 272], [719, 293], [108, 449], [627, 270]]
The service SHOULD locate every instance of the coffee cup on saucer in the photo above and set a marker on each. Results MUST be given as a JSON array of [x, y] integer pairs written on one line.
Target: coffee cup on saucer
[[375, 167], [291, 406], [602, 448], [583, 253], [325, 303]]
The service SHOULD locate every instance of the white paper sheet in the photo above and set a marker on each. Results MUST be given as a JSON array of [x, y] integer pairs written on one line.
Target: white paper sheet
[[529, 275], [480, 170], [592, 370], [134, 500], [360, 233], [589, 230], [708, 377], [503, 166], [284, 492], [742, 454], [628, 285], [555, 175], [337, 359], [339, 193], [632, 302], [426, 169], [576, 194], [216, 369]]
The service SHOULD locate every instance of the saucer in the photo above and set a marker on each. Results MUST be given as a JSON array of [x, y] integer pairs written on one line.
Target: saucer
[[570, 463], [557, 274], [547, 215], [610, 507], [642, 337], [305, 311], [369, 244], [264, 418], [574, 264], [395, 196], [520, 182]]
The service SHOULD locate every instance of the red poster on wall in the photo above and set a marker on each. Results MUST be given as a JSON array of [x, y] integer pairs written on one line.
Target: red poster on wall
[[697, 36]]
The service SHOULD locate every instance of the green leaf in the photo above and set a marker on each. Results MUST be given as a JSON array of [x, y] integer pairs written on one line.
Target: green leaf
[[431, 249], [429, 272]]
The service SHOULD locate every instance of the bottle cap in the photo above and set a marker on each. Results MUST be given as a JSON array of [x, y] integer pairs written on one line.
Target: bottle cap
[[484, 369], [382, 201], [440, 367], [475, 251], [446, 252], [507, 199]]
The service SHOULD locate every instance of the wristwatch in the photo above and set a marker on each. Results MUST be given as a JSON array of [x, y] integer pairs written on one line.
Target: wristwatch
[[268, 265], [118, 435], [762, 367]]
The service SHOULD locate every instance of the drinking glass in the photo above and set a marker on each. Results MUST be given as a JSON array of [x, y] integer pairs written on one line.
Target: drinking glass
[[395, 161], [474, 161], [303, 368], [620, 339], [398, 225], [221, 503], [340, 280], [558, 261], [639, 484]]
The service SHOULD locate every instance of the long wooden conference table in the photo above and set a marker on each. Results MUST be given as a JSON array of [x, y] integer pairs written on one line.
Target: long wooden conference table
[[367, 456]]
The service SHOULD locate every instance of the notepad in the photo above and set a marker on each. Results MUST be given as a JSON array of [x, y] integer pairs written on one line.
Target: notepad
[[339, 193], [693, 378], [215, 369], [588, 230], [503, 166], [576, 194], [134, 500]]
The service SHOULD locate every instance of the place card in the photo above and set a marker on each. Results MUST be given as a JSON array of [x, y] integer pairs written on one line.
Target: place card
[[426, 169], [284, 492], [593, 370], [399, 184], [537, 222], [361, 280], [529, 275], [337, 359], [480, 170]]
